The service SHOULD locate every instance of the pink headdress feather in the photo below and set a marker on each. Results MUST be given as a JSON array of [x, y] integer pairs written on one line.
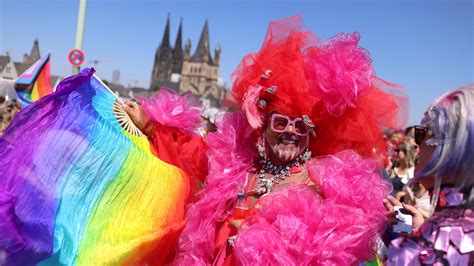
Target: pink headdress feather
[[251, 106]]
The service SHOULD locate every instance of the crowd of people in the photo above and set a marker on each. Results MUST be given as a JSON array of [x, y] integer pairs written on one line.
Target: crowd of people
[[8, 110], [402, 151], [292, 178]]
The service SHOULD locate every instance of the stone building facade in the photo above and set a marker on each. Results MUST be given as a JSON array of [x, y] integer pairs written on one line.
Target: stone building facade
[[11, 70], [185, 72]]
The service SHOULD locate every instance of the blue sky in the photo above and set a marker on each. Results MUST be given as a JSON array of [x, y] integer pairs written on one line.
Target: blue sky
[[426, 46]]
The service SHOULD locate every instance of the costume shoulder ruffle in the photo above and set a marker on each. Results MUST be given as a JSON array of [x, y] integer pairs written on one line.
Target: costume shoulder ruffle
[[297, 226], [231, 154]]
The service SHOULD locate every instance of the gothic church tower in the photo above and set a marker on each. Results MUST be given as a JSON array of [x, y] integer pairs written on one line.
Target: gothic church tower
[[185, 73]]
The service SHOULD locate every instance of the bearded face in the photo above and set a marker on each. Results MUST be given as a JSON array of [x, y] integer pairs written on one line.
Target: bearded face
[[283, 139]]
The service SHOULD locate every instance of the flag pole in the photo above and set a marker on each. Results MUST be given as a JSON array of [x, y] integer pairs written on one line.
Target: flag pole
[[81, 19]]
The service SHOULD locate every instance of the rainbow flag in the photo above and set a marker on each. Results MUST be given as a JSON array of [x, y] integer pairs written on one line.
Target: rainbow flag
[[80, 186], [34, 83]]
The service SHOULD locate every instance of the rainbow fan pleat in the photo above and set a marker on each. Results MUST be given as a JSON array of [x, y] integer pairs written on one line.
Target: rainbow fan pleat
[[77, 188]]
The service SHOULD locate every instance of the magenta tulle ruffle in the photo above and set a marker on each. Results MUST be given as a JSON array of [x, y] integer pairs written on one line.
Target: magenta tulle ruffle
[[340, 70], [231, 154], [173, 110], [297, 226]]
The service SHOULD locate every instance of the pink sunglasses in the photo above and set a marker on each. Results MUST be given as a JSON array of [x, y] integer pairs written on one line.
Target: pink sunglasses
[[280, 123]]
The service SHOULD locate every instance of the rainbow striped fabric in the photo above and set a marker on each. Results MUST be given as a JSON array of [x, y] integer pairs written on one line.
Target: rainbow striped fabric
[[34, 83], [78, 188]]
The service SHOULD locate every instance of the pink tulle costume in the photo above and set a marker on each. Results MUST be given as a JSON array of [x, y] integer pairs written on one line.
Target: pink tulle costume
[[333, 217]]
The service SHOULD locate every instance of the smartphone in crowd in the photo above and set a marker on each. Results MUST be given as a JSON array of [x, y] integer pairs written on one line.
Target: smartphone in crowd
[[404, 221]]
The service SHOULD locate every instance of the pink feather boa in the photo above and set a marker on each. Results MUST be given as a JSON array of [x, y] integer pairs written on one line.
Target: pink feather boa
[[294, 225]]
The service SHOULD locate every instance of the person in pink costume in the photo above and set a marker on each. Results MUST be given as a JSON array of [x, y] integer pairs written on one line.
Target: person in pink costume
[[293, 178]]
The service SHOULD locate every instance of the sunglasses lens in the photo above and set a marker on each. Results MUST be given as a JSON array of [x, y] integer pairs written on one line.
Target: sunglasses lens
[[279, 123], [301, 127]]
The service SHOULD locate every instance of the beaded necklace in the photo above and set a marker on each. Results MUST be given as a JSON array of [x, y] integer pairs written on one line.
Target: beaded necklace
[[278, 172]]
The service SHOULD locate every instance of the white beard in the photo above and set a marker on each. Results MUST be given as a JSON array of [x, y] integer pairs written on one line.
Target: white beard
[[286, 153]]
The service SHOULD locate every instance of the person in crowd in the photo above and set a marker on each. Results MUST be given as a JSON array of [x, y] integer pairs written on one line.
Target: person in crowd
[[418, 196], [446, 165], [404, 168], [8, 110], [410, 136], [2, 124]]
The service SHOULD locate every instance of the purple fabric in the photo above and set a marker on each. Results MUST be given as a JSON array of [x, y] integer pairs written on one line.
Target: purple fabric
[[452, 196], [447, 237], [25, 176]]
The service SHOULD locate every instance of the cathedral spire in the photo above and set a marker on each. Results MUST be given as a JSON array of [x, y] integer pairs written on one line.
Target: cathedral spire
[[165, 42], [178, 50], [202, 53], [35, 52], [178, 44]]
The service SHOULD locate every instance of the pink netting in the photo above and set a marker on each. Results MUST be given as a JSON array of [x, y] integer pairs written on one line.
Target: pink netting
[[339, 71], [296, 226], [170, 109]]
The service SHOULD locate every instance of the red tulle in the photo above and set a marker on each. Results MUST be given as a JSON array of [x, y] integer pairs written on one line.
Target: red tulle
[[187, 152], [359, 128], [282, 54]]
